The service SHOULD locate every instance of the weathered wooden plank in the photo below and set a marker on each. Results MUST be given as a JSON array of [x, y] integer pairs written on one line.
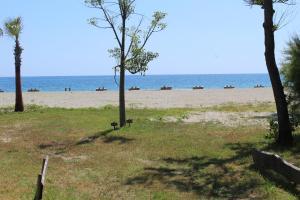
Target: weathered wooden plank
[[265, 160], [41, 180], [44, 169]]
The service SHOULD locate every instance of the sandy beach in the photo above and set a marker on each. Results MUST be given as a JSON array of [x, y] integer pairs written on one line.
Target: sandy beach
[[143, 99]]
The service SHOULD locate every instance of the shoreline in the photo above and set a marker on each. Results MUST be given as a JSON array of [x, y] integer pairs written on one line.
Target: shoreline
[[177, 98], [141, 90]]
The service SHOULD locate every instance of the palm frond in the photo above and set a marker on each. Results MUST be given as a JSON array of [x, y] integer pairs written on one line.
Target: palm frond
[[13, 27]]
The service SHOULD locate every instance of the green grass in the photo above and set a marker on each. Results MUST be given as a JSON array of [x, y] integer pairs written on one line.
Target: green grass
[[231, 107], [149, 160]]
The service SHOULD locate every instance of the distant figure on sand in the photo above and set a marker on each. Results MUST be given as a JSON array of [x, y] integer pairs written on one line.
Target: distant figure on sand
[[259, 86]]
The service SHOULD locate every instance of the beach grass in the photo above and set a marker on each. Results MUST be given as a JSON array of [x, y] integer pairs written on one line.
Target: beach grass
[[149, 160], [233, 107]]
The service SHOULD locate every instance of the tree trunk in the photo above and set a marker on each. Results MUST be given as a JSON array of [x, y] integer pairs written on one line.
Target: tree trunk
[[122, 108], [285, 137], [19, 107]]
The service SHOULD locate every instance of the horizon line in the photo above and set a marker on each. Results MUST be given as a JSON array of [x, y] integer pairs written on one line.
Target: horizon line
[[30, 76]]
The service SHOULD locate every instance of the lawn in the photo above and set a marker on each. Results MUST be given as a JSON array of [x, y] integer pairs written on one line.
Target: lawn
[[152, 159]]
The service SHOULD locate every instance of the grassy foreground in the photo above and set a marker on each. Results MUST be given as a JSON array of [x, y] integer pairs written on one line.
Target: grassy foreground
[[149, 160]]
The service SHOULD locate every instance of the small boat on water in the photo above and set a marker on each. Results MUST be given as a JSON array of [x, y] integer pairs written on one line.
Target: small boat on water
[[229, 87], [1, 91], [101, 89], [135, 88], [166, 88], [259, 86], [199, 87], [33, 90]]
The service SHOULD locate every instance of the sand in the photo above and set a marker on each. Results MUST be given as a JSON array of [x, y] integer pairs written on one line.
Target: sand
[[143, 99], [229, 119]]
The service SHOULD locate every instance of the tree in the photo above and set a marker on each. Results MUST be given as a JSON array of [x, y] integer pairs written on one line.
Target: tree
[[291, 72], [14, 28], [285, 137], [119, 16]]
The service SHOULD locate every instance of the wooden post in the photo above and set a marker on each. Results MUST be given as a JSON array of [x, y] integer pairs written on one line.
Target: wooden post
[[41, 180]]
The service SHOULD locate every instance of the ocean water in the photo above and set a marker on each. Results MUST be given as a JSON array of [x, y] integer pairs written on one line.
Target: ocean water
[[149, 82]]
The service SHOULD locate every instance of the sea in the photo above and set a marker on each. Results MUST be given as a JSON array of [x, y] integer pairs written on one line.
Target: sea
[[148, 82]]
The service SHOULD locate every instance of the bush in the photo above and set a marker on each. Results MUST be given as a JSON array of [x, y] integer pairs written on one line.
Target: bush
[[291, 74], [274, 127]]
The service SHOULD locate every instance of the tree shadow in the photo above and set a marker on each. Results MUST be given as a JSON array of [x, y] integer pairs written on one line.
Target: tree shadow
[[294, 150], [205, 176], [296, 147], [280, 181], [105, 137], [62, 147], [232, 177], [120, 139], [58, 147]]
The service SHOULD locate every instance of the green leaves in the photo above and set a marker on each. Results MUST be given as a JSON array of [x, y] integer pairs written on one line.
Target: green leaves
[[93, 2], [261, 2], [13, 27], [255, 2], [135, 57], [1, 32], [291, 73], [140, 60], [158, 17], [291, 65], [115, 53], [126, 25]]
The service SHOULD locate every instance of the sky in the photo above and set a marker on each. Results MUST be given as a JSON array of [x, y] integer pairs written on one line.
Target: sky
[[202, 37]]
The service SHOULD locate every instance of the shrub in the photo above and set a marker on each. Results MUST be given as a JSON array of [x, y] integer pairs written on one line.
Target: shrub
[[291, 74]]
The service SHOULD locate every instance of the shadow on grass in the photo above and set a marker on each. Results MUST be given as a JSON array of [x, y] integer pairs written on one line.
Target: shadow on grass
[[233, 177], [281, 182], [293, 150], [205, 176], [105, 137], [61, 146]]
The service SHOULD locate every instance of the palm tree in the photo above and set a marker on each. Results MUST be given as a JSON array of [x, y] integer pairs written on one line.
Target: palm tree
[[13, 28]]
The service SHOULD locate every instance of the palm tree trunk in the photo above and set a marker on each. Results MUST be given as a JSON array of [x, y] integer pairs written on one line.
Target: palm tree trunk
[[285, 137], [122, 108], [19, 107]]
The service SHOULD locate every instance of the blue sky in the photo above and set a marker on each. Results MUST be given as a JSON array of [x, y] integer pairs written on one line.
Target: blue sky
[[203, 37]]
